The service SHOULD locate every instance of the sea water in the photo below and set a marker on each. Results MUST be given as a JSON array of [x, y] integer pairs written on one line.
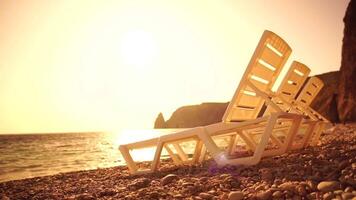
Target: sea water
[[32, 155], [25, 156]]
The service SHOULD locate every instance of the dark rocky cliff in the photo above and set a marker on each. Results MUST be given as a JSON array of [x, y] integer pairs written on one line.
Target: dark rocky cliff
[[347, 86], [326, 101]]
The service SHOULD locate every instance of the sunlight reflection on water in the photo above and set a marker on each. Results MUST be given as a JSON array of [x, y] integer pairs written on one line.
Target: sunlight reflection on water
[[24, 156]]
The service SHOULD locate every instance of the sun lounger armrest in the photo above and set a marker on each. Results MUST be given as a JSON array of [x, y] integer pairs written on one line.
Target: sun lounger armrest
[[314, 112], [286, 115], [142, 144]]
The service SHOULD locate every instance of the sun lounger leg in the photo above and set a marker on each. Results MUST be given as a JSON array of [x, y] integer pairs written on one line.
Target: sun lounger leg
[[183, 156], [174, 157], [210, 145], [260, 149], [156, 160], [299, 144], [308, 134], [202, 153], [249, 137], [249, 142], [197, 151], [291, 134], [129, 161], [264, 140], [276, 141], [232, 144], [317, 132]]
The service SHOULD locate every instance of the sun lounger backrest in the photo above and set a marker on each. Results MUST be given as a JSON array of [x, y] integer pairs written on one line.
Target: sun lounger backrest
[[293, 81], [262, 71], [310, 90], [289, 87]]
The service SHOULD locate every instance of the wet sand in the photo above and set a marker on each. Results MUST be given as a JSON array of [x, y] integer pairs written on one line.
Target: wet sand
[[326, 171]]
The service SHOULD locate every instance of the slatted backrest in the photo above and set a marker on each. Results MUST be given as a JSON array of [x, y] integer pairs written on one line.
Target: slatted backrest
[[262, 71], [290, 86], [293, 81], [310, 90]]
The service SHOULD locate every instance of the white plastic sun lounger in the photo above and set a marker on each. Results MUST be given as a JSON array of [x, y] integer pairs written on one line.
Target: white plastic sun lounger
[[203, 136], [302, 104], [259, 77], [286, 93], [313, 123], [284, 98]]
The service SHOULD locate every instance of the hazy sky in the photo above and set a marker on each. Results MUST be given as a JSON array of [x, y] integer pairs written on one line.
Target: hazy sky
[[75, 65]]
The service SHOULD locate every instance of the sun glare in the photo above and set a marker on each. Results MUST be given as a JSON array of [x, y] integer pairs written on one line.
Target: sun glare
[[138, 48]]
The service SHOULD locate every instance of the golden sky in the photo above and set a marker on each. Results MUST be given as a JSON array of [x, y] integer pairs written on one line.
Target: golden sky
[[81, 65]]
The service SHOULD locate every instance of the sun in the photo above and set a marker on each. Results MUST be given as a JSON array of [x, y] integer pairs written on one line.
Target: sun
[[138, 48]]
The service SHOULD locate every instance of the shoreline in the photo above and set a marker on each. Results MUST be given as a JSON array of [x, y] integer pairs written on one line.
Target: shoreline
[[325, 171]]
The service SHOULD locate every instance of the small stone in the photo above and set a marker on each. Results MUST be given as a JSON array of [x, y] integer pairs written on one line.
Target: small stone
[[186, 184], [287, 186], [343, 164], [347, 195], [328, 196], [225, 176], [224, 196], [264, 195], [277, 181], [204, 195], [236, 195], [312, 195], [230, 182], [311, 185], [178, 196], [327, 186], [169, 179], [85, 196], [349, 189], [277, 194], [338, 192], [266, 174], [301, 190], [121, 189], [139, 183], [213, 192], [107, 192], [203, 179], [259, 187]]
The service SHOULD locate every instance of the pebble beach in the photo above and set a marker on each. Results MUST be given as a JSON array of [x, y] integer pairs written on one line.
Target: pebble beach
[[326, 171]]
